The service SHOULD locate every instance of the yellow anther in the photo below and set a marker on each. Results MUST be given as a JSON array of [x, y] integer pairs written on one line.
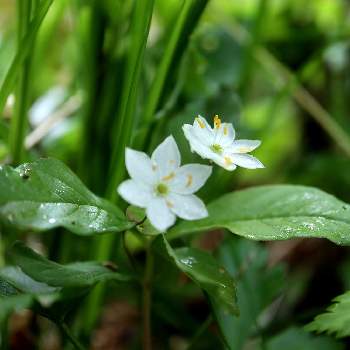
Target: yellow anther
[[243, 150], [168, 177], [225, 130], [189, 180], [200, 123], [169, 204], [217, 122], [154, 167], [228, 160]]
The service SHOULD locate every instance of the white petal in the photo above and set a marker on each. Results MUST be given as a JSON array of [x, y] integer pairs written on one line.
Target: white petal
[[139, 166], [224, 135], [246, 161], [244, 146], [202, 130], [190, 178], [166, 157], [135, 193], [196, 144], [188, 207], [225, 161], [159, 214]]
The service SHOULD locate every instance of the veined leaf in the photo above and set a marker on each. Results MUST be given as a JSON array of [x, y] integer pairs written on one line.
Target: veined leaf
[[336, 319], [257, 287], [204, 270], [47, 194], [75, 275], [276, 212]]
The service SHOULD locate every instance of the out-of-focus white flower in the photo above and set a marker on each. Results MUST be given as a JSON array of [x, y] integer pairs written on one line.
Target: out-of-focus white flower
[[219, 144], [162, 186]]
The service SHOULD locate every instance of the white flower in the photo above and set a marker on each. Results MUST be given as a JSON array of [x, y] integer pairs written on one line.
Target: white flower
[[219, 144], [162, 186]]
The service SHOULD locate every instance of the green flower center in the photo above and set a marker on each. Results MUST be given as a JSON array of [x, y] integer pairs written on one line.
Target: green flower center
[[162, 189], [216, 148]]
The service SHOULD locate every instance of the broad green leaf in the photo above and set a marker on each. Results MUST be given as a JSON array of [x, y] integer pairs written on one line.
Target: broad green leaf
[[204, 270], [47, 194], [336, 319], [276, 212], [17, 279], [75, 275], [257, 287]]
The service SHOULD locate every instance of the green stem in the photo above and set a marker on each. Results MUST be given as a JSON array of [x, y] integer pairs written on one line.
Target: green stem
[[4, 345], [122, 130], [147, 298], [203, 327], [67, 332], [27, 42], [19, 121]]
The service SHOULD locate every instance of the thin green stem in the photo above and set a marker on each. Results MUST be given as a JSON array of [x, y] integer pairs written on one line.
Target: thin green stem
[[4, 345], [26, 45], [200, 331], [122, 132], [147, 298], [67, 332], [19, 121]]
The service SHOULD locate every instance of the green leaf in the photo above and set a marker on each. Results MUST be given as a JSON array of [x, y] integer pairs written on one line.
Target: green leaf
[[75, 275], [204, 270], [22, 283], [257, 287], [276, 212], [336, 319], [47, 194]]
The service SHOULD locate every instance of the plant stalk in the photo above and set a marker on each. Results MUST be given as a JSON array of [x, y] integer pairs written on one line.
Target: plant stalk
[[67, 332], [147, 298], [19, 121]]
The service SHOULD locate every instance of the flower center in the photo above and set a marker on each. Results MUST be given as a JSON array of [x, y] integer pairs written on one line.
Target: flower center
[[216, 148], [161, 189]]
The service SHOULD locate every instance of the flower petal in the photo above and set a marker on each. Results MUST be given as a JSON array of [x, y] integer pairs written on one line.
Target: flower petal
[[244, 146], [166, 157], [197, 146], [224, 135], [188, 207], [246, 161], [159, 214], [139, 166], [135, 193], [203, 130], [190, 178]]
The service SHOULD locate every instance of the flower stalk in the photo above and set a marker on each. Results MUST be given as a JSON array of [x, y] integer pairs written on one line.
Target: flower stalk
[[147, 297]]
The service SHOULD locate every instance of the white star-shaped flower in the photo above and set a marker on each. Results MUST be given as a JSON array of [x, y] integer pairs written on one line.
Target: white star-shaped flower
[[162, 186], [219, 144]]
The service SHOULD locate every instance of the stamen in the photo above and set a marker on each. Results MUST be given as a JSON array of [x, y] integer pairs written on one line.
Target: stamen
[[200, 123], [228, 160], [154, 167], [243, 150], [217, 122], [168, 177], [169, 204], [189, 180], [225, 130]]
